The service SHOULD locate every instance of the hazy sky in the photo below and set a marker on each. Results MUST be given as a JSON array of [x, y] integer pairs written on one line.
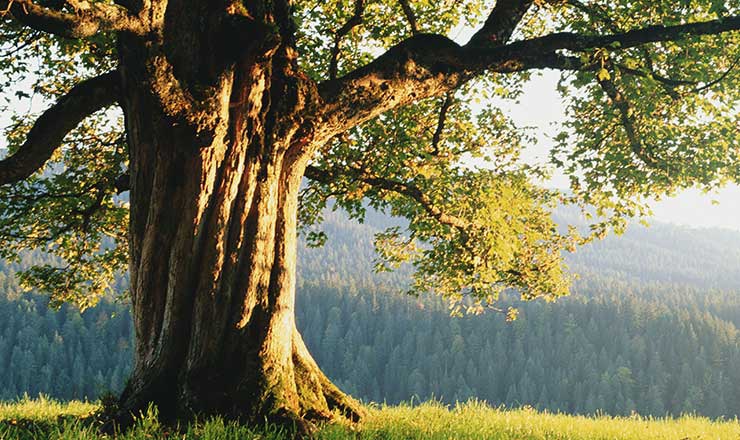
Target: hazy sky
[[540, 108]]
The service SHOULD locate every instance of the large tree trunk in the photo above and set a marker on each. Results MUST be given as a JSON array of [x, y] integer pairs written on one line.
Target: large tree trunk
[[213, 239]]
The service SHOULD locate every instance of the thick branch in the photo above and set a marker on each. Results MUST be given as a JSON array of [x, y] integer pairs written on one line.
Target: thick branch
[[88, 19], [50, 128], [601, 15], [122, 183], [629, 39], [403, 188], [428, 65]]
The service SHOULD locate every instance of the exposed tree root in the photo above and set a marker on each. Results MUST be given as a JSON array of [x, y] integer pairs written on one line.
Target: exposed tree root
[[303, 402]]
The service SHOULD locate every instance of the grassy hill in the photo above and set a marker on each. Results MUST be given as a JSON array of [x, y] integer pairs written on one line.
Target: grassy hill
[[35, 419]]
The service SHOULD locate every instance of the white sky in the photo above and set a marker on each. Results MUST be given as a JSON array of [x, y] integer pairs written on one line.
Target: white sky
[[540, 107]]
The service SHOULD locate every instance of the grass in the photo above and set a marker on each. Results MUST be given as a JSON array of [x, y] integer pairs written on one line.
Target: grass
[[47, 419]]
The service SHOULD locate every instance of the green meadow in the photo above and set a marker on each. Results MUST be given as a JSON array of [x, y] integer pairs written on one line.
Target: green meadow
[[47, 419]]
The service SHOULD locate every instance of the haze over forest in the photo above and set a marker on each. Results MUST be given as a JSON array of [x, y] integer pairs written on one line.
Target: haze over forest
[[651, 327]]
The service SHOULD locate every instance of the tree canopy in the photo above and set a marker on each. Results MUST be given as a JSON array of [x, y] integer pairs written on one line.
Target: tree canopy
[[405, 87]]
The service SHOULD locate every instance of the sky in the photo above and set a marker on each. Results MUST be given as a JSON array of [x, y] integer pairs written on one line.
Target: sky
[[541, 108]]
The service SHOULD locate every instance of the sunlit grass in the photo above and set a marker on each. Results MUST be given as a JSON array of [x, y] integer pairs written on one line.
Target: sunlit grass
[[43, 408], [48, 419], [475, 420]]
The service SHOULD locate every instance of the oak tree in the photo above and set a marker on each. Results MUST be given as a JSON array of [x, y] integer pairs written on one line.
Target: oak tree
[[243, 119]]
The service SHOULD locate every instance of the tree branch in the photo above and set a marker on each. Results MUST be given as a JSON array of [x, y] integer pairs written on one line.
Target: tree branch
[[623, 107], [721, 78], [437, 137], [87, 20], [50, 128], [625, 40], [501, 23], [408, 12], [669, 82], [428, 65], [353, 22], [601, 15], [122, 183], [403, 188]]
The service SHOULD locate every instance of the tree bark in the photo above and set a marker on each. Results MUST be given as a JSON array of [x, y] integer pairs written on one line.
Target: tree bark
[[213, 241]]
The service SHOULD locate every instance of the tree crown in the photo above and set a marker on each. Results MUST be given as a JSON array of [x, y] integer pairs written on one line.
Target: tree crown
[[651, 87]]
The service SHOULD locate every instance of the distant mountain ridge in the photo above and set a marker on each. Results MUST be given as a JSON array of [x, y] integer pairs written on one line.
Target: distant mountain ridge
[[707, 258], [701, 257]]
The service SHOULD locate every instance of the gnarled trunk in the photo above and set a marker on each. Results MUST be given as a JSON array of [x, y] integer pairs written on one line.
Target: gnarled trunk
[[213, 243]]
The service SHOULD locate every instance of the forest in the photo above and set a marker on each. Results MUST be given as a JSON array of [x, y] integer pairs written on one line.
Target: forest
[[651, 327]]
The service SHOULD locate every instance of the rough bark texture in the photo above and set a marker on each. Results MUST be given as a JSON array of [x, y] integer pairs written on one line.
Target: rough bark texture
[[215, 171]]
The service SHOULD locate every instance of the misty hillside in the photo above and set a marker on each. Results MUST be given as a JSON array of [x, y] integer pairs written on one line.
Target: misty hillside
[[704, 258], [700, 257], [651, 326]]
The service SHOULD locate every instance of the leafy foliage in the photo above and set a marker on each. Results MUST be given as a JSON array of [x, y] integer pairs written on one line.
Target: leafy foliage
[[69, 209], [645, 121], [649, 121], [472, 230]]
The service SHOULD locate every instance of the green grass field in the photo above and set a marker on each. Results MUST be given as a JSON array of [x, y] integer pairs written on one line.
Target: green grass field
[[46, 419]]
